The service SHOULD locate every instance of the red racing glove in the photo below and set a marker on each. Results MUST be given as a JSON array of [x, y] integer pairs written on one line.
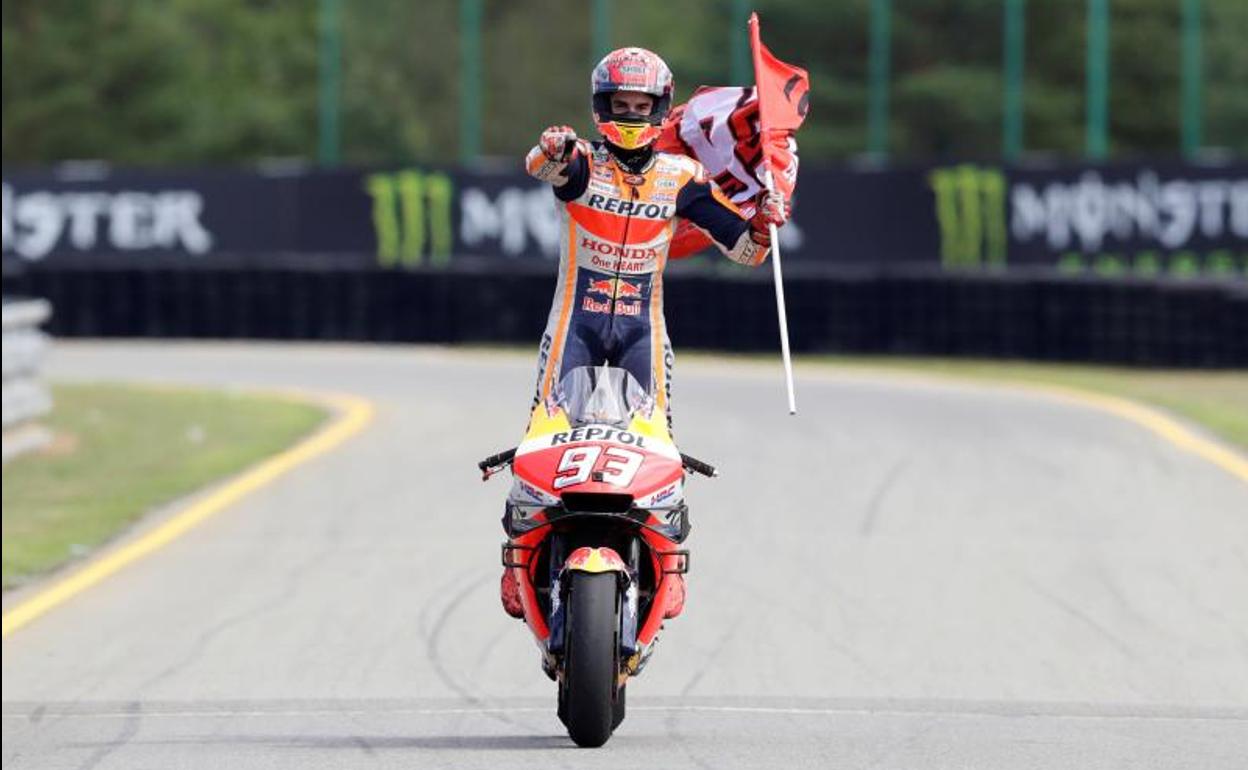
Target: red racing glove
[[558, 143], [772, 210]]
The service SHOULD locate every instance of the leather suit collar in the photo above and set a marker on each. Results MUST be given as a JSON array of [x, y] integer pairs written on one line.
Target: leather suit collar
[[632, 161]]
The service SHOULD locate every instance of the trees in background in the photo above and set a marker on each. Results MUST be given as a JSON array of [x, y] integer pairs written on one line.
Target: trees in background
[[197, 82]]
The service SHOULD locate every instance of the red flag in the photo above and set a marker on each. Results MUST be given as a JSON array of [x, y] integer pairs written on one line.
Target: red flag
[[783, 99], [721, 128]]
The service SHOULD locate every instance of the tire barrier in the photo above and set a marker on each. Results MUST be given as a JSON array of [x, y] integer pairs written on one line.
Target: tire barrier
[[25, 397], [1042, 317]]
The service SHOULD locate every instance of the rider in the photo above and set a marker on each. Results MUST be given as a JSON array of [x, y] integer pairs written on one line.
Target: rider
[[619, 199]]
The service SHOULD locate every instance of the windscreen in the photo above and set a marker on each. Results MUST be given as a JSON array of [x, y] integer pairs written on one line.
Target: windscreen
[[601, 395]]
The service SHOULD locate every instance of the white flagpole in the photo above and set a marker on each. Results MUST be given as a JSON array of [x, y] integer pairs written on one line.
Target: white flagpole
[[779, 280], [755, 49]]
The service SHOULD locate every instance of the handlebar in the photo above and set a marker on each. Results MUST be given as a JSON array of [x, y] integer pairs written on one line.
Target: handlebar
[[697, 466], [495, 463]]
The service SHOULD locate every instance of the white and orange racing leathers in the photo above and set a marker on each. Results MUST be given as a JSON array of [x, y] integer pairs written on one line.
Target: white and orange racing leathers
[[616, 229]]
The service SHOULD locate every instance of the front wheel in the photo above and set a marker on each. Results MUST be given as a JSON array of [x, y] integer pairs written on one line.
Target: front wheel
[[590, 667]]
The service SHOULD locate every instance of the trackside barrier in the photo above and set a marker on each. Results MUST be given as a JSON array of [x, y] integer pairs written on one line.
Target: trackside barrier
[[25, 396], [1141, 217], [1040, 317]]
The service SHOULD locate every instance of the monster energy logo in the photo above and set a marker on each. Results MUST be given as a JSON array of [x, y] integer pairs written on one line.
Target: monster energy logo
[[411, 209], [970, 209]]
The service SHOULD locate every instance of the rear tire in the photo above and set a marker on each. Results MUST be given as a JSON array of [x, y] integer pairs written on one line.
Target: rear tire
[[591, 656]]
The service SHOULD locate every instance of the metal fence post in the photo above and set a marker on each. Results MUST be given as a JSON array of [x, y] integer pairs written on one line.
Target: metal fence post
[[1097, 142], [877, 116], [1191, 97], [330, 67], [1013, 43], [600, 31]]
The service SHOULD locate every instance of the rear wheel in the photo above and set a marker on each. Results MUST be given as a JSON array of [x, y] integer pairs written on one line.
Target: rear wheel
[[588, 693]]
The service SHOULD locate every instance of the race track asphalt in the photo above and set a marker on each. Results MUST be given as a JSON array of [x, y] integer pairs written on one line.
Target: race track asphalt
[[908, 574]]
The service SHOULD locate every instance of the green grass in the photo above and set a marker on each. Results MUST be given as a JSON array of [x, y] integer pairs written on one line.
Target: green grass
[[121, 451], [1214, 400]]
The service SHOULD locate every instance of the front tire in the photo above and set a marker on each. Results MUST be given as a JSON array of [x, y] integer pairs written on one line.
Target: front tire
[[591, 658], [617, 708]]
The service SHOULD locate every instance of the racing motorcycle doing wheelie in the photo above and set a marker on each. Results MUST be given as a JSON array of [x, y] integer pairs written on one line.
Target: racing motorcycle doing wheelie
[[594, 521]]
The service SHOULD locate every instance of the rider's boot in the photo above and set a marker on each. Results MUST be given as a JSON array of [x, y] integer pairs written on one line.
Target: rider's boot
[[509, 592], [675, 596]]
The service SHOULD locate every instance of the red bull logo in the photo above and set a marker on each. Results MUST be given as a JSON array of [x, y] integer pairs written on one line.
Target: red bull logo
[[614, 287], [591, 305]]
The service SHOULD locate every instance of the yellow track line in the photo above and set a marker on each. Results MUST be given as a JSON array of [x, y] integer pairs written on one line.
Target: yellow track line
[[1164, 426], [354, 414], [1149, 418]]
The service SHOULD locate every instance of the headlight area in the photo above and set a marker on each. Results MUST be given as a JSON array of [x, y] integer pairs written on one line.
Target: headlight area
[[671, 522]]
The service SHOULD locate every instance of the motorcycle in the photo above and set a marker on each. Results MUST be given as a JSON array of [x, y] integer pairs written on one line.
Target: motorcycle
[[594, 520]]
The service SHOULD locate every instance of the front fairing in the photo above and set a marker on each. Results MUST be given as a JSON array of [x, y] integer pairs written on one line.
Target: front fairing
[[640, 462], [570, 462]]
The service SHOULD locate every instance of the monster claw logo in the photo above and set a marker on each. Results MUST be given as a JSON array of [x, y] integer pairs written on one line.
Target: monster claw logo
[[970, 210], [402, 220]]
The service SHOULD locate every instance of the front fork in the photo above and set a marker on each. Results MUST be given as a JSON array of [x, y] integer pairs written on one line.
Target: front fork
[[594, 560]]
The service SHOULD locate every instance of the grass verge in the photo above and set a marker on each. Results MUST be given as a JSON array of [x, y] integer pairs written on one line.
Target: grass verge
[[120, 451]]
